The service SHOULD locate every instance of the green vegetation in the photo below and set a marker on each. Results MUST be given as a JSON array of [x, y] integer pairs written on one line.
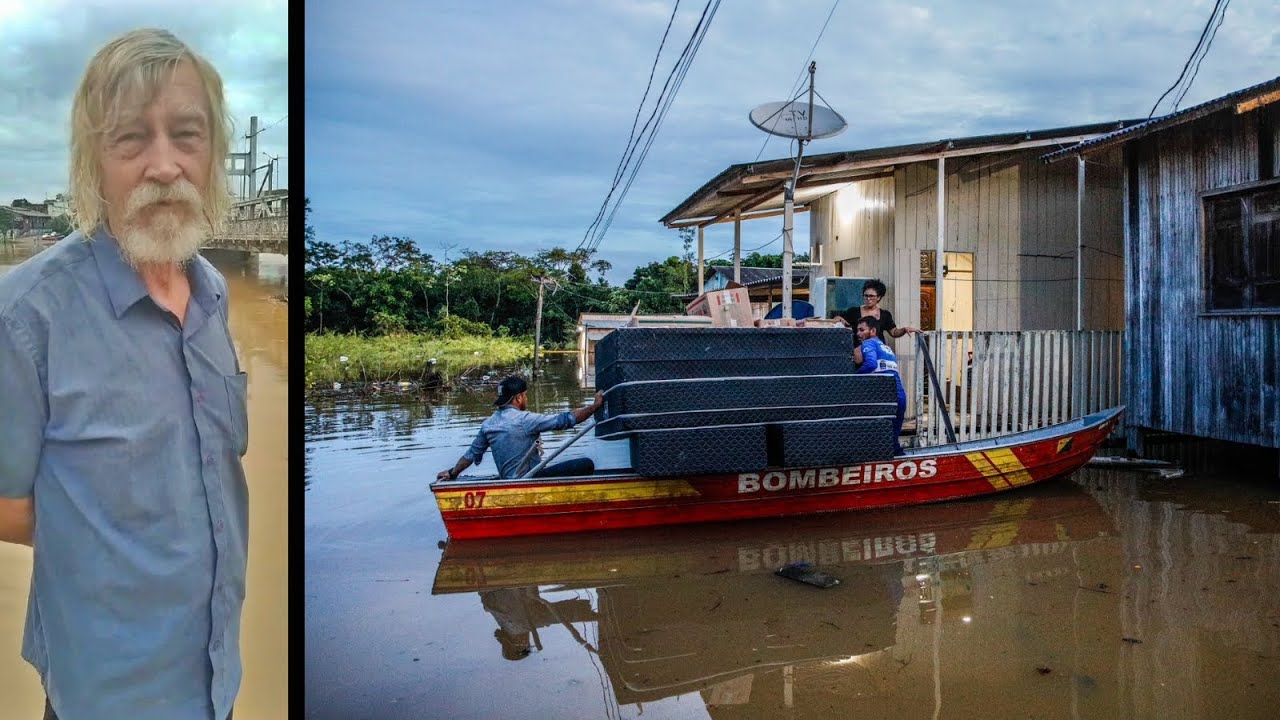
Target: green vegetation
[[405, 357], [60, 224], [389, 306]]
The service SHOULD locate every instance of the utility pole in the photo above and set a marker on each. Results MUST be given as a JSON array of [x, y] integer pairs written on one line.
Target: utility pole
[[537, 322], [245, 165], [253, 153]]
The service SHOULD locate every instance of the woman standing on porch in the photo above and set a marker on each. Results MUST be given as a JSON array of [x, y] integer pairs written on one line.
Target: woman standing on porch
[[872, 293]]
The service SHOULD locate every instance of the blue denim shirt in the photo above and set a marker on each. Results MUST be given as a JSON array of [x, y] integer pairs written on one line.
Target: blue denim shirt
[[511, 432], [127, 429]]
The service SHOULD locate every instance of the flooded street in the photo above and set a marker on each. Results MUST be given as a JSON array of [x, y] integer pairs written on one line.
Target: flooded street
[[259, 326], [1108, 594]]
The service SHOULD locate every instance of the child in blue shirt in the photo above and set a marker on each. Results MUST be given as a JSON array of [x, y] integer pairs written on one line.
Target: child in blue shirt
[[878, 359]]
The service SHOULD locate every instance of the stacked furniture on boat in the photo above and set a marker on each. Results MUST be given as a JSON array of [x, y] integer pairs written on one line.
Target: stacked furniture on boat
[[728, 400]]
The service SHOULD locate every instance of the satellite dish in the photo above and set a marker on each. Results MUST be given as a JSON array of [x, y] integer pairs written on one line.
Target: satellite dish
[[792, 120]]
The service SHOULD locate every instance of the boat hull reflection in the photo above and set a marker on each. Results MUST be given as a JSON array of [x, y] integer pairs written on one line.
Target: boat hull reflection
[[700, 607]]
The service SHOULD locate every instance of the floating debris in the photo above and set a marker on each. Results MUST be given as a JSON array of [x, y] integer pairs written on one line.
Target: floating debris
[[801, 572], [1117, 462]]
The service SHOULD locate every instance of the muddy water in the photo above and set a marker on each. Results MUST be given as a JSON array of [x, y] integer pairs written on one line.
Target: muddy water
[[259, 326], [1105, 595]]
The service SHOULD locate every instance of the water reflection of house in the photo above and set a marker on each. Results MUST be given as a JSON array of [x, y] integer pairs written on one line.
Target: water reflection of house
[[1202, 261]]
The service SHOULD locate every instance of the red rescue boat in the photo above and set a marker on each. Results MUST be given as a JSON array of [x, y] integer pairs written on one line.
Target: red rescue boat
[[482, 507]]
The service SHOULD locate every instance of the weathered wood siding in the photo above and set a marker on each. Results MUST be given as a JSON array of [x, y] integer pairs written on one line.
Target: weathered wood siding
[[856, 224], [1212, 376], [1014, 213]]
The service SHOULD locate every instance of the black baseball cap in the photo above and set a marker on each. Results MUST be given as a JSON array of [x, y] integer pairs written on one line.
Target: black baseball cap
[[511, 386]]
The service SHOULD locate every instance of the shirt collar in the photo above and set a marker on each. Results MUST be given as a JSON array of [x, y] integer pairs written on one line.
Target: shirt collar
[[124, 285]]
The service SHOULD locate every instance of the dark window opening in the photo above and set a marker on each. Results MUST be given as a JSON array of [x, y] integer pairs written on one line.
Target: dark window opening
[[1242, 247]]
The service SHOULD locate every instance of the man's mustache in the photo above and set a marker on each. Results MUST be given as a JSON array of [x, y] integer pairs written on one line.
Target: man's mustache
[[181, 192]]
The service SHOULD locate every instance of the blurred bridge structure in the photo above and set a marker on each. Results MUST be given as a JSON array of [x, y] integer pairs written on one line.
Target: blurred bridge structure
[[257, 225]]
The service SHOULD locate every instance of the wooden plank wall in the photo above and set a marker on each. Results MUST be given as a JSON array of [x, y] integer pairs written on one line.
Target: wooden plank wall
[[1003, 207], [861, 221], [1018, 216], [1212, 376], [1104, 294]]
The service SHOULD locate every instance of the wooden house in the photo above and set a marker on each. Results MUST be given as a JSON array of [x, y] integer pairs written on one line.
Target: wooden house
[[1201, 228], [28, 218], [1022, 245], [1016, 263]]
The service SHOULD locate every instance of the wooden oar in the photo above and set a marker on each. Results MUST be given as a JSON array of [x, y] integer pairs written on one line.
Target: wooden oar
[[937, 388]]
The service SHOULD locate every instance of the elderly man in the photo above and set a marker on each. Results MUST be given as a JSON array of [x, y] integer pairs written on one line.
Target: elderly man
[[124, 406]]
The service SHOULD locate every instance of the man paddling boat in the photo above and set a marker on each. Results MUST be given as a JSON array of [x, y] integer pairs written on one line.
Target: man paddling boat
[[512, 432]]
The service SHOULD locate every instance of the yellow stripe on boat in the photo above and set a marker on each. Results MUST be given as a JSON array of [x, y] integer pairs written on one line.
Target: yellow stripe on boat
[[996, 535], [605, 492], [988, 471], [1009, 466]]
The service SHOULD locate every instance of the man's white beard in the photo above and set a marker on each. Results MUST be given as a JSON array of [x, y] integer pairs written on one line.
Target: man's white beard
[[166, 234]]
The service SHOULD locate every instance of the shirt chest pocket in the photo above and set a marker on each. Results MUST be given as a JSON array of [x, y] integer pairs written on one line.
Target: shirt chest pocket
[[238, 407]]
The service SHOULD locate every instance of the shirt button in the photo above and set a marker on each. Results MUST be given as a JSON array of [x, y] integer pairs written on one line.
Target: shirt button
[[218, 526], [208, 459]]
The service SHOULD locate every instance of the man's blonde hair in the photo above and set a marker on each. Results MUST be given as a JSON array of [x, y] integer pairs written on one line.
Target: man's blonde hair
[[127, 74]]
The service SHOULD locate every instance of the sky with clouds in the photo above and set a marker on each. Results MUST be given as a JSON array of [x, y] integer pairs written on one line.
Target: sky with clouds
[[45, 45], [499, 125]]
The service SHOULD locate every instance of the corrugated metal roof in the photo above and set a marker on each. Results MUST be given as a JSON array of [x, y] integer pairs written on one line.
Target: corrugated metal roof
[[752, 276], [25, 212], [760, 184], [1185, 115]]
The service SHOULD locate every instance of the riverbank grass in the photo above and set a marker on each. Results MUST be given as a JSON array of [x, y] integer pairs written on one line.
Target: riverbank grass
[[405, 356]]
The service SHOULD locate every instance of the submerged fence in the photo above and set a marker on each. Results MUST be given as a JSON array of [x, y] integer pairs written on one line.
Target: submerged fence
[[995, 383]]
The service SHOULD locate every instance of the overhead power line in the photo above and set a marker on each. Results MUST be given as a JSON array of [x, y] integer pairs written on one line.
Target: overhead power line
[[1197, 55], [1196, 70], [617, 173], [595, 232], [700, 32]]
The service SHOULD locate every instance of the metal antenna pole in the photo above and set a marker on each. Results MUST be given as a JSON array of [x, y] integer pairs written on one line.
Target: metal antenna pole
[[813, 69], [788, 207]]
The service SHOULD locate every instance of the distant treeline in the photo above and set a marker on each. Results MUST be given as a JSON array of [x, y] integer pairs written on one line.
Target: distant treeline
[[389, 285]]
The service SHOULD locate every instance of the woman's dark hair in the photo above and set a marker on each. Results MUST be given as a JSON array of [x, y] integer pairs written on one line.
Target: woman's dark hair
[[873, 324], [876, 285]]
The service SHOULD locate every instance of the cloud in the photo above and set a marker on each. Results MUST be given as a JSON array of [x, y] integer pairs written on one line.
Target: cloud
[[499, 125], [44, 49]]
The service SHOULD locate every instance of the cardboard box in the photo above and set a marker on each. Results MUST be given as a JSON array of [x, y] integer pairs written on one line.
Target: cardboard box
[[781, 322], [730, 307]]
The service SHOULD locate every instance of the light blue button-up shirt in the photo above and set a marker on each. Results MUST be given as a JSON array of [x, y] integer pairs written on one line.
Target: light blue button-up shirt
[[127, 429], [511, 433]]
